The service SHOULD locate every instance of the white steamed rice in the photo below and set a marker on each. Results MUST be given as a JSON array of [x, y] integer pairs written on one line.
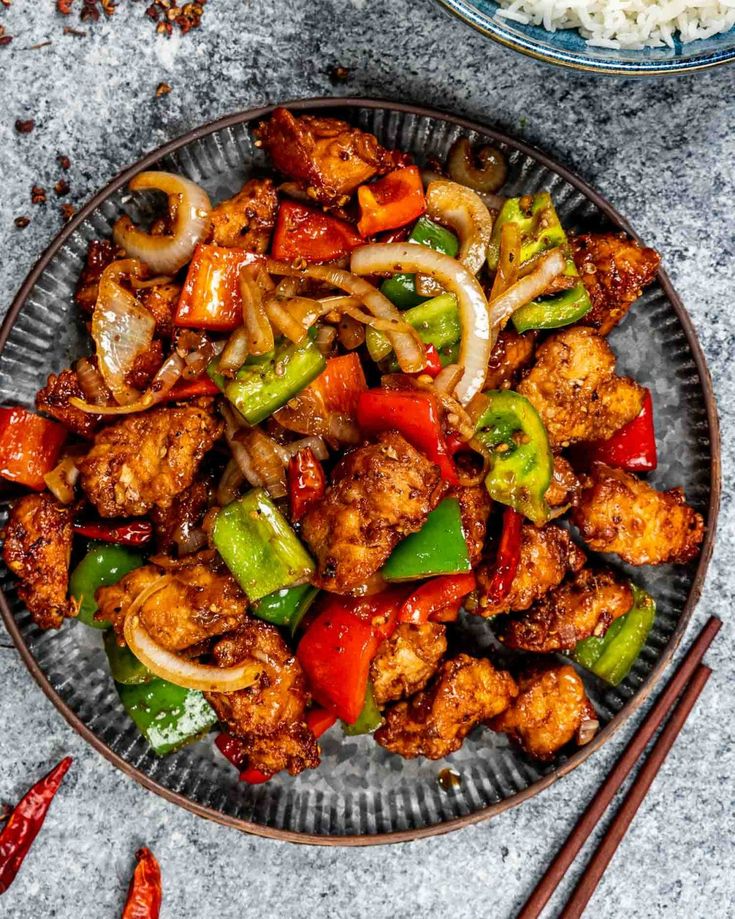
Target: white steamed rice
[[626, 23]]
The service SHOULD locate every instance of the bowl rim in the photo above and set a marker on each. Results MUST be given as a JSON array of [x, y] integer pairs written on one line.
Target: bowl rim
[[325, 104], [486, 25]]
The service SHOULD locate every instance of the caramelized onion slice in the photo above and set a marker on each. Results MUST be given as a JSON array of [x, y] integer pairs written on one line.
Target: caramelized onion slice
[[530, 286], [191, 207]]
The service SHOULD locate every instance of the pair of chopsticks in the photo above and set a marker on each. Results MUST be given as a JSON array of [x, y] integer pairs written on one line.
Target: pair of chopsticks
[[686, 684]]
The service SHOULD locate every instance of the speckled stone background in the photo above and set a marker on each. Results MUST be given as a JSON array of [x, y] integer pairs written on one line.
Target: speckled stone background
[[663, 152]]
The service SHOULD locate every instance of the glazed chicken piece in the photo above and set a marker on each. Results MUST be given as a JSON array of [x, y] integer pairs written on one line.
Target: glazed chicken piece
[[196, 602], [512, 353], [574, 388], [269, 715], [474, 507], [145, 366], [615, 269], [623, 514], [548, 554], [382, 493], [176, 523], [100, 254], [550, 711], [407, 660], [246, 219], [435, 722], [147, 460], [565, 486], [575, 610], [53, 399], [37, 549], [328, 157], [161, 301]]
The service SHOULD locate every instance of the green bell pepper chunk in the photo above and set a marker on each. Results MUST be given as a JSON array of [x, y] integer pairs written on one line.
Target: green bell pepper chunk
[[540, 230], [104, 564], [612, 656], [264, 384], [439, 547], [259, 547], [436, 321], [124, 665], [369, 719], [401, 288], [167, 716], [286, 607], [521, 460]]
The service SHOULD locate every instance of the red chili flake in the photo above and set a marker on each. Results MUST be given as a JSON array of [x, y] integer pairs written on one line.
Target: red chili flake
[[61, 188], [67, 211], [24, 126], [6, 3], [68, 30], [4, 39], [22, 222], [64, 7], [38, 195], [163, 89], [338, 74], [63, 161]]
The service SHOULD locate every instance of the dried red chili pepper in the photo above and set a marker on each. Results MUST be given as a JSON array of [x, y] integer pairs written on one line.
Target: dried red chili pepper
[[25, 822], [132, 533], [145, 893], [306, 482], [508, 557]]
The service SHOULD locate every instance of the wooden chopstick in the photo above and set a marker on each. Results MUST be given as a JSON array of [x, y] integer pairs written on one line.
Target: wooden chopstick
[[630, 756], [618, 827]]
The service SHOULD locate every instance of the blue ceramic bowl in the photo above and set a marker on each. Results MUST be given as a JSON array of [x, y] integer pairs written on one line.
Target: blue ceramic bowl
[[567, 47]]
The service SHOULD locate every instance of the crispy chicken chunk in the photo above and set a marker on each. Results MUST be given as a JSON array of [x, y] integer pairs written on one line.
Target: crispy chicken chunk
[[37, 549], [196, 602], [246, 219], [146, 460], [53, 399], [512, 353], [615, 269], [434, 723], [161, 301], [621, 513], [407, 660], [577, 609], [176, 523], [474, 507], [327, 156], [384, 492], [574, 388], [269, 715], [565, 486], [100, 254], [547, 556], [550, 711]]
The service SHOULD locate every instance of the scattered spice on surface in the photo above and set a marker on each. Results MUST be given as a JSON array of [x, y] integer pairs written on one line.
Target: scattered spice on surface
[[38, 195], [41, 44], [167, 14], [79, 33], [4, 38], [63, 160], [24, 126], [22, 222], [61, 188], [67, 211], [163, 89], [338, 74]]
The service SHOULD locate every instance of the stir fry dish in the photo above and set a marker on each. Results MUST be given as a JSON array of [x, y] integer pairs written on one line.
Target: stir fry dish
[[321, 421]]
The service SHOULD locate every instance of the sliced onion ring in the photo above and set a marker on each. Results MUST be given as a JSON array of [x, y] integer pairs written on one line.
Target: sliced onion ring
[[162, 384], [477, 340], [192, 207]]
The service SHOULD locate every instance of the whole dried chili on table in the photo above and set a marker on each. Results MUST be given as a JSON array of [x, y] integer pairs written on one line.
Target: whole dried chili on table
[[25, 822], [145, 893]]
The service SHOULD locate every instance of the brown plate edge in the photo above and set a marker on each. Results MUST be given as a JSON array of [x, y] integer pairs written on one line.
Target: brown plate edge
[[644, 690]]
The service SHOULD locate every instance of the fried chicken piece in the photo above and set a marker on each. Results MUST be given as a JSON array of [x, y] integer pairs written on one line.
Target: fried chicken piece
[[100, 254], [196, 602], [161, 302], [565, 485], [407, 660], [614, 269], [548, 554], [269, 715], [512, 353], [550, 711], [384, 492], [174, 524], [435, 722], [53, 399], [623, 514], [574, 388], [474, 507], [146, 460], [327, 156], [145, 366], [246, 219], [37, 549], [575, 610]]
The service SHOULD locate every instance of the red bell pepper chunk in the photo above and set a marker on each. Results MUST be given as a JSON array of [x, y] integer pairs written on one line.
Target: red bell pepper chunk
[[232, 748], [340, 384], [633, 447], [131, 533], [415, 415], [303, 233], [29, 447], [433, 363], [319, 721], [448, 614], [254, 776], [210, 298], [306, 483], [436, 595], [508, 556], [190, 389], [391, 202]]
